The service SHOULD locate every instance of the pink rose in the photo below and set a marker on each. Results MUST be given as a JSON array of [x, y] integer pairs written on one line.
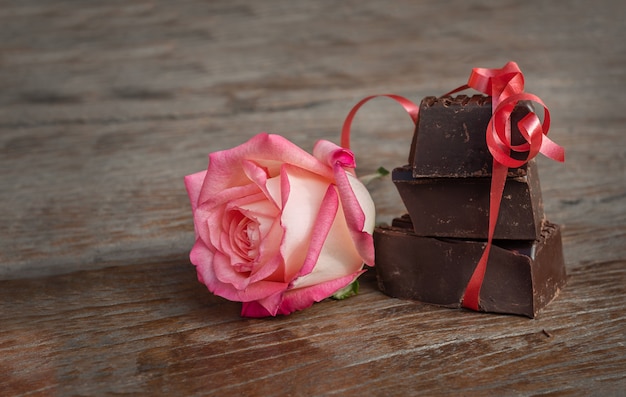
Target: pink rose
[[277, 228]]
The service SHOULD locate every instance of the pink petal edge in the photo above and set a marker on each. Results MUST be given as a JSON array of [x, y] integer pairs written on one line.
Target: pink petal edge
[[202, 258], [355, 217], [225, 169], [323, 224], [193, 184], [302, 298], [331, 154]]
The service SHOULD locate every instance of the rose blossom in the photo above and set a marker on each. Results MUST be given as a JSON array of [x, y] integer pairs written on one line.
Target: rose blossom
[[278, 228]]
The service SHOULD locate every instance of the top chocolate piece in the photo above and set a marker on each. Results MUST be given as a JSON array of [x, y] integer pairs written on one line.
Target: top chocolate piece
[[449, 139]]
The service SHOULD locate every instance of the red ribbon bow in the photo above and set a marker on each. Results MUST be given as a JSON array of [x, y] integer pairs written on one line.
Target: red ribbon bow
[[506, 87]]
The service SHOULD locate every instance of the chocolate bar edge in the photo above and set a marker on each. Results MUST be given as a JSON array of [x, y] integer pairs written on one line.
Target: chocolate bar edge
[[537, 281], [444, 207], [449, 137]]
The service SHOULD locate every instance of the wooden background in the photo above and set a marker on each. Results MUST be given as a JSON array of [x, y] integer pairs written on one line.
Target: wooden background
[[105, 106]]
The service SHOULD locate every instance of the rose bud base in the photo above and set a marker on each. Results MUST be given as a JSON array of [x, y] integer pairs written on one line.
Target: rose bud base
[[459, 207], [449, 139], [522, 277]]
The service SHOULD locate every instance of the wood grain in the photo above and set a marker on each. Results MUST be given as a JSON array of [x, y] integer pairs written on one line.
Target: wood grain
[[105, 106], [153, 329]]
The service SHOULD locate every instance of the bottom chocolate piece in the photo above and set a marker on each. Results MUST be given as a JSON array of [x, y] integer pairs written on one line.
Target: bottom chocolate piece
[[522, 277]]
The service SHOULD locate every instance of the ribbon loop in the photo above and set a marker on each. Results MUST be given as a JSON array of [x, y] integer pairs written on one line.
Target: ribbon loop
[[411, 108], [506, 87], [494, 82]]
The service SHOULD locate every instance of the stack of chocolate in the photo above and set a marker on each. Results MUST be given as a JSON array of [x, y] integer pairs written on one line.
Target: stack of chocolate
[[430, 254]]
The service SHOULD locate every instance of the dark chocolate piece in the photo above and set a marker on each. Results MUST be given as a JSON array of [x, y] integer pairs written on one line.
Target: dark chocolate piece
[[459, 207], [449, 139], [521, 278]]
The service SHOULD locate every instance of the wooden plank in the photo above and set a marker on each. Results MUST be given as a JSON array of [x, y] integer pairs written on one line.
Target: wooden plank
[[154, 329]]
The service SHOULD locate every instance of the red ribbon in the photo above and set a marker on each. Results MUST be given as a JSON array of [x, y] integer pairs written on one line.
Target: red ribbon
[[506, 87], [411, 108]]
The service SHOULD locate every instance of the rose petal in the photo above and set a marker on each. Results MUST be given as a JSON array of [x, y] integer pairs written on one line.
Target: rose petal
[[356, 200], [331, 154], [208, 214], [255, 310], [258, 208], [262, 308], [305, 194], [226, 273], [235, 243], [359, 211], [225, 167], [323, 223], [270, 305], [267, 215], [337, 258], [270, 263], [260, 176], [202, 258], [366, 203], [274, 189], [193, 183], [301, 298]]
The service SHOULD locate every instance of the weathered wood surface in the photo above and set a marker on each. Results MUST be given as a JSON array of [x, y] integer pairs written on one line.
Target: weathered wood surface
[[152, 328], [104, 106]]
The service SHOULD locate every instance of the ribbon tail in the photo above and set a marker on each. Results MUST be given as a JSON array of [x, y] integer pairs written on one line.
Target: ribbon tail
[[471, 297], [552, 150]]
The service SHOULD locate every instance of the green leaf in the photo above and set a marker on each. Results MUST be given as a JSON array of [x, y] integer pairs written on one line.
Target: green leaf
[[347, 291], [380, 172]]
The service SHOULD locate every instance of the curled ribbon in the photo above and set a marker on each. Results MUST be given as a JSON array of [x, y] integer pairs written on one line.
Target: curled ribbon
[[506, 87], [411, 108]]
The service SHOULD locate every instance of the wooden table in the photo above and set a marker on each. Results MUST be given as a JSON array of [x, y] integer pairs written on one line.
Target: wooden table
[[105, 106]]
